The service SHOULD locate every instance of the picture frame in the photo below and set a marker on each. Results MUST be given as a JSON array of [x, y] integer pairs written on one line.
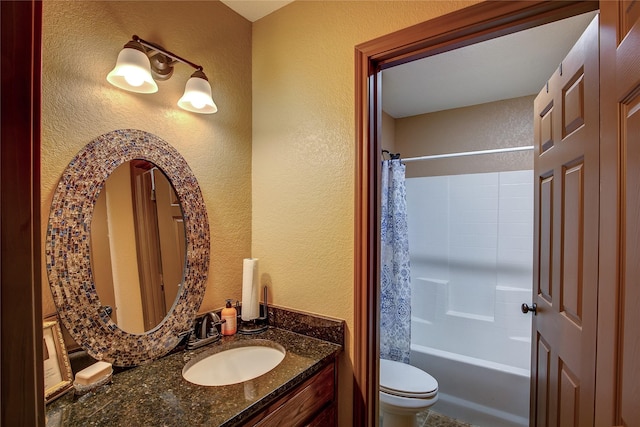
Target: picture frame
[[58, 378]]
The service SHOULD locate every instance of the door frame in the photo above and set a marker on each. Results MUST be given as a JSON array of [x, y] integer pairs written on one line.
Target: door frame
[[21, 367], [461, 28]]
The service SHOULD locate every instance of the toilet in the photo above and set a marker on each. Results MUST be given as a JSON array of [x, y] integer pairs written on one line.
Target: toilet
[[404, 391]]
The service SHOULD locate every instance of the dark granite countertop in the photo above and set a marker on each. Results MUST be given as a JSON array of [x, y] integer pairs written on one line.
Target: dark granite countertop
[[155, 394]]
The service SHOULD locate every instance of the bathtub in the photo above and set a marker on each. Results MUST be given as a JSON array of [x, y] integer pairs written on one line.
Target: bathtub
[[476, 391], [481, 361]]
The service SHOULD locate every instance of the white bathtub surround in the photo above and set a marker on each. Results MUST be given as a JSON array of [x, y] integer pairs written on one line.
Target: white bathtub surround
[[395, 283], [503, 337], [476, 391], [471, 240]]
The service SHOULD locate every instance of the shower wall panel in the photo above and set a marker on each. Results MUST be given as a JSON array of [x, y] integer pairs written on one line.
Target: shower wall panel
[[471, 243]]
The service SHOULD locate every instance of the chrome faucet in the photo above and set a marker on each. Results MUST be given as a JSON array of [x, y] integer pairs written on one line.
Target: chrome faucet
[[213, 320], [205, 332]]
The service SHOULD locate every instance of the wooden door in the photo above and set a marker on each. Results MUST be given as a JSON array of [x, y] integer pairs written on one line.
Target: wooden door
[[147, 245], [172, 237], [566, 132], [623, 399]]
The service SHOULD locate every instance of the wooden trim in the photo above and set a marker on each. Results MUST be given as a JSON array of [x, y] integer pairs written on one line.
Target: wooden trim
[[366, 347], [610, 223], [467, 26], [470, 25], [21, 368]]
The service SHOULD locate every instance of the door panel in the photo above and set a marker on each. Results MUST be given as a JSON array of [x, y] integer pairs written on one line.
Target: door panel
[[542, 381], [569, 397], [629, 366], [572, 248], [566, 131], [573, 103], [546, 126], [545, 255], [625, 16]]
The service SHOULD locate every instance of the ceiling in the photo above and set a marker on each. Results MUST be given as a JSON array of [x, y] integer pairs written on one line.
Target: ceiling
[[255, 9], [507, 67]]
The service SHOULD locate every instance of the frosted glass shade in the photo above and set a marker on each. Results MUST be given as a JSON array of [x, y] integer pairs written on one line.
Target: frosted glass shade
[[133, 72], [197, 97]]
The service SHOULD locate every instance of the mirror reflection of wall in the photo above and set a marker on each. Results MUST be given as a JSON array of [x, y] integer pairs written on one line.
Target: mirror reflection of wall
[[137, 246]]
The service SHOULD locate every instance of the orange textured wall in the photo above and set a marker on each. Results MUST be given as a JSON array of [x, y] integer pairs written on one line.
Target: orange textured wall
[[304, 150], [276, 164], [81, 40], [499, 124]]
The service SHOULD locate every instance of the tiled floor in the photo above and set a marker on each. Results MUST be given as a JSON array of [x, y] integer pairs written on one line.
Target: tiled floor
[[433, 419]]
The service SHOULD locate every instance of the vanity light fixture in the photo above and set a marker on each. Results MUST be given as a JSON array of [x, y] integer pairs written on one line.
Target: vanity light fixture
[[140, 63]]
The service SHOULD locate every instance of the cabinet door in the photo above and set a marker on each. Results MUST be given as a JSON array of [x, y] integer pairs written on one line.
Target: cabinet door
[[306, 405]]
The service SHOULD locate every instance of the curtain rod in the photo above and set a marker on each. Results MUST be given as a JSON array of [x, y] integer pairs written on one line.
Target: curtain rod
[[468, 153]]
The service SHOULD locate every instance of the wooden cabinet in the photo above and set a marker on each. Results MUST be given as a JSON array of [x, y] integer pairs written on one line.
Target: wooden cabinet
[[312, 403]]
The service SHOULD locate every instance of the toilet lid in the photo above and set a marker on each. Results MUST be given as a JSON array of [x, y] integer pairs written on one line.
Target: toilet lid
[[404, 380]]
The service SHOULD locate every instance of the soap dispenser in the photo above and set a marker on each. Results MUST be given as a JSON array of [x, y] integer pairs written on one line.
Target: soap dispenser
[[229, 315]]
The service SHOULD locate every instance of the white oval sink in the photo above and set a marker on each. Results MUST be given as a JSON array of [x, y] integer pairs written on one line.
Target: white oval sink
[[234, 365]]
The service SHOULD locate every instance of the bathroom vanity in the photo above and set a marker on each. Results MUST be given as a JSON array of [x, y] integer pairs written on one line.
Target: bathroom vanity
[[151, 390], [301, 390]]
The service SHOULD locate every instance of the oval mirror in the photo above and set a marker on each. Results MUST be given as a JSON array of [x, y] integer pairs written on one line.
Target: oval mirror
[[68, 252], [137, 246]]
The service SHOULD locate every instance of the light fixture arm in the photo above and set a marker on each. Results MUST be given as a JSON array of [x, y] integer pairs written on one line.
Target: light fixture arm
[[155, 48]]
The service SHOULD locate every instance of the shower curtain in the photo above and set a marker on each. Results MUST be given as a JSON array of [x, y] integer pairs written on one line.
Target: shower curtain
[[395, 281]]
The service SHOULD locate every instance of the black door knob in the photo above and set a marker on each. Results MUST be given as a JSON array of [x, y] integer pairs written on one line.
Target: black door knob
[[529, 308]]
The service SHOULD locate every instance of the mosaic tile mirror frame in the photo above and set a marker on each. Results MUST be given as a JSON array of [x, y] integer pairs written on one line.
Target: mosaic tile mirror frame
[[68, 252]]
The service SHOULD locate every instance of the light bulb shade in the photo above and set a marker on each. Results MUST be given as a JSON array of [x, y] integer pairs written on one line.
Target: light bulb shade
[[132, 71], [197, 95]]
